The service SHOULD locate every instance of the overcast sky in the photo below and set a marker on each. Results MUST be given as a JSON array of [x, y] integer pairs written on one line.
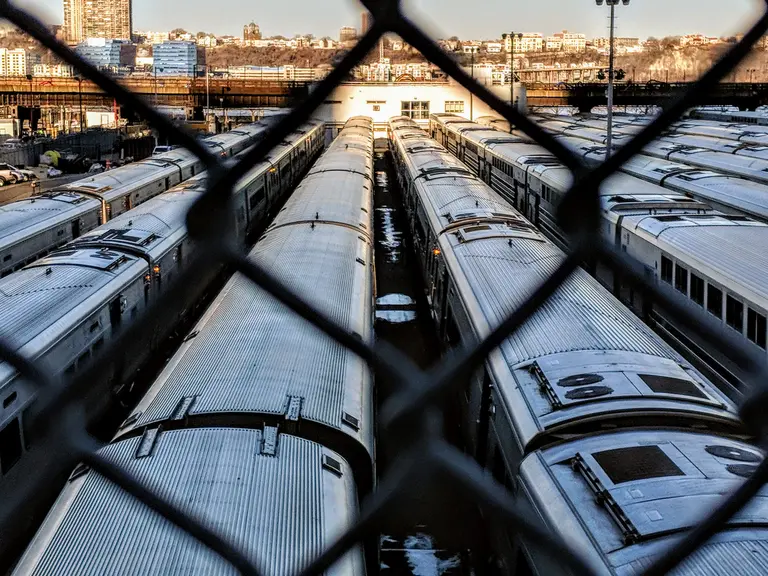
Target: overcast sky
[[476, 19]]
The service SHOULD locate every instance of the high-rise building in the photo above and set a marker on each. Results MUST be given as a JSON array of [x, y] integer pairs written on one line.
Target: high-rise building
[[13, 62], [110, 19], [367, 22], [177, 58], [347, 34], [115, 55]]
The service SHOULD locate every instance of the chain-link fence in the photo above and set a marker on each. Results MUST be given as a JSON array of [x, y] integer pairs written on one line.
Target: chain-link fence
[[55, 413]]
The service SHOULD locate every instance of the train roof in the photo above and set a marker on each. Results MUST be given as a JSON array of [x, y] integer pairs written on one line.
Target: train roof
[[150, 226], [731, 250], [281, 499], [622, 499], [114, 183], [36, 299], [19, 220], [320, 246], [497, 259]]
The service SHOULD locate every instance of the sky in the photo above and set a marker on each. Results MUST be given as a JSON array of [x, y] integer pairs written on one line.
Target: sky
[[441, 18]]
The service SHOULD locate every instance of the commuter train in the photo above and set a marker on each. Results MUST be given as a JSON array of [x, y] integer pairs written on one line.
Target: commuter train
[[729, 194], [62, 310], [728, 163], [260, 426], [600, 429], [722, 254], [33, 227], [742, 117]]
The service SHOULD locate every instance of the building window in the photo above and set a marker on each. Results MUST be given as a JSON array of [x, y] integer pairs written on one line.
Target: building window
[[734, 313], [666, 269], [697, 289], [681, 279], [715, 301], [454, 106], [756, 327], [417, 109]]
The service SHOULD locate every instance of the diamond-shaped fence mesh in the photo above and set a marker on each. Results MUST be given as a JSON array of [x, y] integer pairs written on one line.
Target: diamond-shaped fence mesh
[[55, 414]]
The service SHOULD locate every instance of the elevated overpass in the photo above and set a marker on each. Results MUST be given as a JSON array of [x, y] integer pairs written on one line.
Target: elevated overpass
[[585, 96]]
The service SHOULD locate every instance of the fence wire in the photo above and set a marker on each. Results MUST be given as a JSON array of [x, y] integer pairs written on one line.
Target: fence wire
[[55, 421]]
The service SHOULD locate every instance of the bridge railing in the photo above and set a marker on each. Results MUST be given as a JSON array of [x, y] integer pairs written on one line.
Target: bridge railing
[[55, 413]]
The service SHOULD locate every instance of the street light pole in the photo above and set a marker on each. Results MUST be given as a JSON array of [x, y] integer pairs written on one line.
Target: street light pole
[[511, 37], [609, 139]]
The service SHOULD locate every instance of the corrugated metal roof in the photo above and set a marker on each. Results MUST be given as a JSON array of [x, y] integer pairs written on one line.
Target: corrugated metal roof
[[748, 557], [281, 511], [25, 218], [32, 300], [237, 362], [581, 315]]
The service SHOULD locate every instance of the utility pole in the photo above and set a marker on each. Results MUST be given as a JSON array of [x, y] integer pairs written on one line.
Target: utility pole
[[511, 37], [609, 139], [471, 97]]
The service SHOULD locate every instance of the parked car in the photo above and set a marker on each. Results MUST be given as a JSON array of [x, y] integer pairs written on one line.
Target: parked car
[[12, 143], [20, 174], [10, 175]]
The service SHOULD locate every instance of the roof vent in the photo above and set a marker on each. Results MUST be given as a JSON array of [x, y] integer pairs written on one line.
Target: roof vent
[[636, 463], [667, 385], [579, 380], [350, 421], [588, 392], [743, 470], [732, 453], [332, 465]]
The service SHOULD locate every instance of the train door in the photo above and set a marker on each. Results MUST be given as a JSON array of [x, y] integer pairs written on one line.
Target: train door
[[167, 183], [533, 209], [75, 228]]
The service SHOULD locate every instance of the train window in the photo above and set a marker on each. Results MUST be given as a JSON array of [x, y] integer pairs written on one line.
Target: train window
[[7, 257], [681, 279], [666, 270], [715, 301], [95, 326], [697, 289], [257, 197], [734, 313], [756, 326], [10, 445]]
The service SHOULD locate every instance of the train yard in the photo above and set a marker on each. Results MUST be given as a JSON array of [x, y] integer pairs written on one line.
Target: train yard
[[615, 426]]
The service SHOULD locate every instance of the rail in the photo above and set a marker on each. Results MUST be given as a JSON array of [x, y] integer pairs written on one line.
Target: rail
[[55, 414]]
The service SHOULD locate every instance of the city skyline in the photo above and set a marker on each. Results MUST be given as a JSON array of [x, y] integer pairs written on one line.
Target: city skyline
[[441, 18]]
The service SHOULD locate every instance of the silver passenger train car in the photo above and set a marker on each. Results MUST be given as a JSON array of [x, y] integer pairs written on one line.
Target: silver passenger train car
[[755, 169], [63, 309], [711, 253], [613, 440], [626, 202], [33, 227], [259, 426]]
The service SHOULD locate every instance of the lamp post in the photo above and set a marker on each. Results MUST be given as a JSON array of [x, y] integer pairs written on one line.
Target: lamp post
[[80, 97], [609, 139], [511, 37]]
